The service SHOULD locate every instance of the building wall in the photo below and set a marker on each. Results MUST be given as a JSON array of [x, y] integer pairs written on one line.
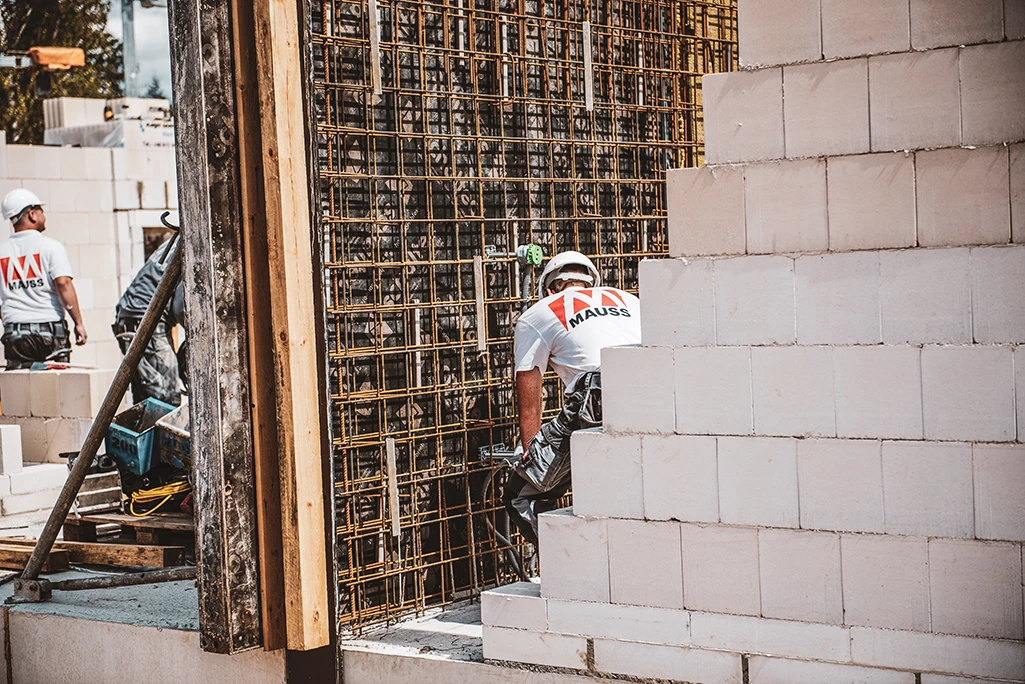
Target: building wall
[[828, 485], [99, 201]]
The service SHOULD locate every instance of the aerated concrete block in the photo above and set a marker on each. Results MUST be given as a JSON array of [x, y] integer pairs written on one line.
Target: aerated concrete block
[[840, 484], [713, 390], [1014, 19], [518, 606], [800, 575], [720, 569], [864, 28], [743, 634], [97, 261], [793, 391], [680, 480], [612, 621], [127, 195], [778, 32], [837, 298], [743, 115], [41, 477], [825, 108], [886, 581], [976, 588], [645, 563], [914, 100], [705, 208], [926, 296], [764, 670], [878, 392], [13, 504], [1017, 172], [574, 557], [937, 653], [606, 474], [153, 194], [968, 393], [16, 392], [82, 392], [667, 662], [871, 201], [963, 197], [1019, 389], [786, 207], [10, 449], [927, 489], [537, 648], [754, 300], [939, 23], [992, 93], [758, 481], [998, 307], [999, 482], [681, 291], [639, 391], [45, 393]]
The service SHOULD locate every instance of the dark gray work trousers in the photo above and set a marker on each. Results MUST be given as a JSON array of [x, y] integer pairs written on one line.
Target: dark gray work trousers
[[27, 343], [157, 375], [543, 475]]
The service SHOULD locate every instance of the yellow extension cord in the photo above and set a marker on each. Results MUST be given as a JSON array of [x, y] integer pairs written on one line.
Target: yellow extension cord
[[162, 494]]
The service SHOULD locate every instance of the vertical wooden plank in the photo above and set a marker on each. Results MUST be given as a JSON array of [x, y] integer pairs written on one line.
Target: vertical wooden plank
[[261, 333], [293, 319], [208, 182]]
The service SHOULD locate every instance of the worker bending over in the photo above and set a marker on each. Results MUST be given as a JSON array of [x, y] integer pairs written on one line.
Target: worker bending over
[[157, 374], [566, 331], [36, 288]]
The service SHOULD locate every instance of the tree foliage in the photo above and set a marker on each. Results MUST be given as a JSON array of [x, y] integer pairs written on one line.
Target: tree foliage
[[60, 23], [153, 89]]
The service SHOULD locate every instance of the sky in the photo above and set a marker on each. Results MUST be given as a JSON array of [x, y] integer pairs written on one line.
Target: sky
[[151, 44]]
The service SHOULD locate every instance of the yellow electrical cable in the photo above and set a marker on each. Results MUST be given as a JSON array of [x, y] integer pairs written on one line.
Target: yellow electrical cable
[[164, 493]]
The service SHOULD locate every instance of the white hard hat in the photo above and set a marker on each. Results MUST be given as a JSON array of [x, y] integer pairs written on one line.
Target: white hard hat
[[19, 200], [559, 262]]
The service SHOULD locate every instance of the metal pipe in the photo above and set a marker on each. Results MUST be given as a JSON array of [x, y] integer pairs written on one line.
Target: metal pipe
[[165, 290], [127, 579]]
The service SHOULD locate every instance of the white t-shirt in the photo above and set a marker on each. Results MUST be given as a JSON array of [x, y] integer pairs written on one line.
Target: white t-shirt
[[568, 330], [29, 263]]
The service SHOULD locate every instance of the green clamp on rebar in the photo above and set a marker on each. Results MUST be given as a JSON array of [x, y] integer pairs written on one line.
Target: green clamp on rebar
[[531, 255]]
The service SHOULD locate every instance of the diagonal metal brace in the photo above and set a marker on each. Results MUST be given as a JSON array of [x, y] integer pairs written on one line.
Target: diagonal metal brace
[[29, 588]]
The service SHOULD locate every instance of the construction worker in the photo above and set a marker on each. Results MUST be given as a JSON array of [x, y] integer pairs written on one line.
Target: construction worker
[[37, 288], [157, 374], [566, 330]]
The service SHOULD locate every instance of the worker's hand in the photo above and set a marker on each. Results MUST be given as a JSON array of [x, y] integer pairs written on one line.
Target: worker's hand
[[81, 336]]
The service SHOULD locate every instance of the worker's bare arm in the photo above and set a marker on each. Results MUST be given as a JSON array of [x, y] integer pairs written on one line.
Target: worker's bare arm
[[69, 297], [528, 401]]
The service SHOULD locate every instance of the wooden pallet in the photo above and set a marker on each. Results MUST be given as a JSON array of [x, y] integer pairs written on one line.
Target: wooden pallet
[[159, 528]]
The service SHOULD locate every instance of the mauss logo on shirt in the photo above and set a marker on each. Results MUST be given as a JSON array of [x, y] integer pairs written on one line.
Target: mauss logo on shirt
[[22, 272], [576, 306]]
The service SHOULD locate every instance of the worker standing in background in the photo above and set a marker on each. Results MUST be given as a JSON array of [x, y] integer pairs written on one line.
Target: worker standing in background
[[566, 330], [157, 374], [36, 288]]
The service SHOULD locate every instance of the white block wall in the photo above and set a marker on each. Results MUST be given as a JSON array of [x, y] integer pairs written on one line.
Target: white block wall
[[812, 468], [98, 200]]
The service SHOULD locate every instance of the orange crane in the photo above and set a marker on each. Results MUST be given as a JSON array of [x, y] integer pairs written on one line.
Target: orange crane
[[44, 60]]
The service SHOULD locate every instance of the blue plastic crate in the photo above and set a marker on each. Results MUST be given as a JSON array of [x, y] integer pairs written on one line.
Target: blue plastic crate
[[130, 436]]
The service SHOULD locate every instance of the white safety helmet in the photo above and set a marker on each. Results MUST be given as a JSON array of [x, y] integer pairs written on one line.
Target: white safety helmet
[[560, 261], [19, 200]]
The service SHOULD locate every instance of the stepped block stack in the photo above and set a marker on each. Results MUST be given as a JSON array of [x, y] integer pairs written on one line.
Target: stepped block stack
[[45, 414], [812, 469]]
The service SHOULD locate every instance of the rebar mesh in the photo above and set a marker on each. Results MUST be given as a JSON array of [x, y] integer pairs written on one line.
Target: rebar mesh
[[480, 134]]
